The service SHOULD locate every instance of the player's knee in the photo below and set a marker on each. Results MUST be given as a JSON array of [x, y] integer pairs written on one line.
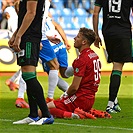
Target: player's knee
[[54, 65]]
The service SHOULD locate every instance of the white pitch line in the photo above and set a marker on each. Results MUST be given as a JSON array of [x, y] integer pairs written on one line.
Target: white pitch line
[[79, 125], [5, 120], [101, 127]]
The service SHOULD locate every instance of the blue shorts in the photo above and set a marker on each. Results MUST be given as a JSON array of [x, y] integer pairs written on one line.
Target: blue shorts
[[46, 53], [60, 53]]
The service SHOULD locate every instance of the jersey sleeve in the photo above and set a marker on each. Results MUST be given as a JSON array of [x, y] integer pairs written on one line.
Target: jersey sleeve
[[79, 67]]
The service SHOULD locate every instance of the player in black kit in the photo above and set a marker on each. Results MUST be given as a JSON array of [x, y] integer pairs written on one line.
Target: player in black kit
[[116, 30], [26, 43]]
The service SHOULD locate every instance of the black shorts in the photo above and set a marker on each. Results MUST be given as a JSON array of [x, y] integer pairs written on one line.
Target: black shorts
[[29, 54], [119, 49]]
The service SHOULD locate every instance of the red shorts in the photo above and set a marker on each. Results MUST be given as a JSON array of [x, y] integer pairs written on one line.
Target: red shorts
[[72, 102]]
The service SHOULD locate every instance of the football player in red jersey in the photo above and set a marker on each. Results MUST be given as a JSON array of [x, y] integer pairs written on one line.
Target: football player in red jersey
[[81, 93]]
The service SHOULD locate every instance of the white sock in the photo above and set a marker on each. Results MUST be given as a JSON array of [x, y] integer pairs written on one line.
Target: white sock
[[111, 104], [22, 88], [53, 80], [69, 72], [62, 84], [116, 101], [15, 76], [19, 76]]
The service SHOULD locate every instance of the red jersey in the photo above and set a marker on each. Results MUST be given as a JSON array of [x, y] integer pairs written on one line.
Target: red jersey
[[87, 66]]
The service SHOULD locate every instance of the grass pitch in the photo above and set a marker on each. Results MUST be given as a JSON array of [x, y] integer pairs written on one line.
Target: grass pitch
[[119, 123]]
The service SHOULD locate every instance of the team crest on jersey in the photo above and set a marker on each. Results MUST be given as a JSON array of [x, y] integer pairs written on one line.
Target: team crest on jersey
[[76, 70]]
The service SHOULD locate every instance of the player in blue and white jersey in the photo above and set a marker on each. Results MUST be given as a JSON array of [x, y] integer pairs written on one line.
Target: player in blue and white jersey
[[52, 53]]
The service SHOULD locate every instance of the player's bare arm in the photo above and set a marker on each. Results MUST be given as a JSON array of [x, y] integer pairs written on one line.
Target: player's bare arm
[[54, 39], [97, 42], [16, 5], [29, 16], [11, 40], [74, 86], [62, 33]]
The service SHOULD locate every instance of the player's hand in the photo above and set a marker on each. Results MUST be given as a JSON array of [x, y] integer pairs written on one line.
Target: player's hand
[[41, 46], [68, 47], [11, 41], [98, 42], [16, 44], [64, 95], [54, 39]]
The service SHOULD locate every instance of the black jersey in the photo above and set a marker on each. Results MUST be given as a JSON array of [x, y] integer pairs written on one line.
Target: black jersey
[[34, 30], [116, 14]]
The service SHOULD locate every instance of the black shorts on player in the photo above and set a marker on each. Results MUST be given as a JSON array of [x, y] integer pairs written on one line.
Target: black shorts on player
[[29, 53], [119, 49]]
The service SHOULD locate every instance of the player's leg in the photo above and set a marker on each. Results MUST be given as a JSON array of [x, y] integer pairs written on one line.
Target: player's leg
[[61, 54], [59, 113], [51, 66], [52, 78], [11, 82], [66, 72], [62, 57], [62, 84], [115, 81], [65, 108], [20, 102], [18, 78], [34, 89], [119, 52]]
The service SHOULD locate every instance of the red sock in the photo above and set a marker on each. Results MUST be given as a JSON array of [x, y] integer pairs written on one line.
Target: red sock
[[57, 112], [67, 114]]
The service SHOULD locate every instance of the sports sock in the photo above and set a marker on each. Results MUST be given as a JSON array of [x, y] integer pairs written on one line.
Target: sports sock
[[115, 80], [52, 81], [22, 88], [67, 114], [60, 113], [62, 85], [35, 95], [56, 112], [116, 101], [15, 76], [19, 76], [69, 72]]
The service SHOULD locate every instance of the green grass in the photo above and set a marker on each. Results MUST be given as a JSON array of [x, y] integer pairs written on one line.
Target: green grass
[[119, 123]]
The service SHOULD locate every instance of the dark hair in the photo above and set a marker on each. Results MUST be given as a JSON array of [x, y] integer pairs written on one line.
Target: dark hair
[[89, 34]]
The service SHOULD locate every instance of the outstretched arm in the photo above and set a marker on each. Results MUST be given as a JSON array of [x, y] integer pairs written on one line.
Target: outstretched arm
[[62, 33]]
